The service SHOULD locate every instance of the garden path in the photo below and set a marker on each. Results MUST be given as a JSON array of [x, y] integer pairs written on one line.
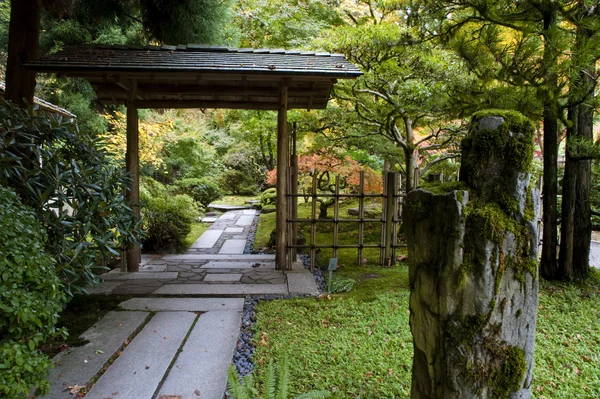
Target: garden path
[[176, 338]]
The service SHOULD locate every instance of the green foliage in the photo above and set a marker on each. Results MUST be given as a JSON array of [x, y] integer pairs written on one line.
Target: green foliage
[[237, 182], [167, 218], [340, 284], [268, 197], [74, 189], [276, 385], [203, 191], [31, 296], [189, 158]]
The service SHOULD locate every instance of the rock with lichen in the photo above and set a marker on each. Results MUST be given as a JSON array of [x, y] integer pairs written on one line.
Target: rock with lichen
[[473, 268]]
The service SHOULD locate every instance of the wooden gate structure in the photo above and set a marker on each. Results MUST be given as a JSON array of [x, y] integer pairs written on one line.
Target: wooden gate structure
[[201, 76]]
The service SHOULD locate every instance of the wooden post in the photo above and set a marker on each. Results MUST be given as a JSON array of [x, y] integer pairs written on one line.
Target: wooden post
[[313, 223], [23, 39], [361, 216], [282, 163], [389, 217], [336, 216], [396, 220], [294, 191], [132, 165]]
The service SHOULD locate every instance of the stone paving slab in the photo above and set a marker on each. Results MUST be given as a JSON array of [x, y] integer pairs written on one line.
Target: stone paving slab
[[234, 229], [208, 239], [233, 247], [221, 277], [301, 283], [153, 268], [104, 288], [229, 257], [140, 276], [77, 366], [239, 265], [228, 216], [202, 365], [142, 365], [183, 304], [245, 220], [228, 207], [222, 289], [250, 212], [209, 219]]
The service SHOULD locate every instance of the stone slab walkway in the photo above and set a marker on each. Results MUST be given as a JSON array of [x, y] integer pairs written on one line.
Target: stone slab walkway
[[184, 320]]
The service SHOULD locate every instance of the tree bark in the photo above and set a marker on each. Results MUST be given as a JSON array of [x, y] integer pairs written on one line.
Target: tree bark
[[23, 39], [567, 221], [548, 265], [409, 156]]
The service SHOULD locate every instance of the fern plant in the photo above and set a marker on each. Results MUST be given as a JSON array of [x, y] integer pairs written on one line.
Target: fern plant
[[275, 386]]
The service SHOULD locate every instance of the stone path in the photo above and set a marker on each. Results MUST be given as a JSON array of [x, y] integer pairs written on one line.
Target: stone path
[[177, 337]]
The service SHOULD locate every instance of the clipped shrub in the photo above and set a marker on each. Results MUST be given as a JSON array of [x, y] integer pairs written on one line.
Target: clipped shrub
[[238, 182], [31, 296], [167, 219], [203, 191], [268, 197]]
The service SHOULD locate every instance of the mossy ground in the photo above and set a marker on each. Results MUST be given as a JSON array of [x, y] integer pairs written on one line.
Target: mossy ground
[[236, 199], [358, 345]]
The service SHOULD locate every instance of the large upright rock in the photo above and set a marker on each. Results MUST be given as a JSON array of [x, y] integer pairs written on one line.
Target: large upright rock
[[473, 268]]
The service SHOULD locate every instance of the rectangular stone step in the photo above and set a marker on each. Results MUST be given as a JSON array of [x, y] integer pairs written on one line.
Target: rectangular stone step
[[301, 282], [230, 257], [221, 289], [200, 370], [146, 275], [183, 304], [233, 247], [208, 239], [77, 366], [245, 220], [222, 277], [239, 265], [142, 365]]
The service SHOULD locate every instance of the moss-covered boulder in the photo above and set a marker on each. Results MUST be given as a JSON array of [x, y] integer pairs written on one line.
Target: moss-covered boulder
[[268, 197], [473, 268]]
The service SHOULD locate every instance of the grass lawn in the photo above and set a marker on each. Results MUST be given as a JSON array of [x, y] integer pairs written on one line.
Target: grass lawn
[[236, 199], [359, 344]]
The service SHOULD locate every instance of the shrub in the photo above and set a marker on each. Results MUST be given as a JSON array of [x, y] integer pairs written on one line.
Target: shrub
[[268, 197], [74, 188], [238, 182], [31, 297], [167, 219], [203, 191]]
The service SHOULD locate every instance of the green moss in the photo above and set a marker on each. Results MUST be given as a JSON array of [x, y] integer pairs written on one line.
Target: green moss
[[418, 209], [444, 188], [529, 211], [519, 313], [509, 376]]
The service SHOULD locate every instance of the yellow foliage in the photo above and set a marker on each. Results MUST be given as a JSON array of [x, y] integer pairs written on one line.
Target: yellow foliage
[[152, 138]]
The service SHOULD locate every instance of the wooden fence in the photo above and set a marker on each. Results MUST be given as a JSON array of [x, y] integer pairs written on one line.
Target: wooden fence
[[389, 220]]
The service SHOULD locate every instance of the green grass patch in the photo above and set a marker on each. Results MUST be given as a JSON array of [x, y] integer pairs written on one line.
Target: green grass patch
[[197, 229], [347, 234], [236, 199], [358, 344]]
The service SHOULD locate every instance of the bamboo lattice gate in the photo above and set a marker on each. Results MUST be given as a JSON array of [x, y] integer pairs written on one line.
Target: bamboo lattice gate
[[389, 220]]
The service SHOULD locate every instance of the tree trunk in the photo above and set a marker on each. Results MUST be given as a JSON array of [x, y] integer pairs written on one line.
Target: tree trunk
[[410, 161], [23, 42], [567, 221], [548, 265]]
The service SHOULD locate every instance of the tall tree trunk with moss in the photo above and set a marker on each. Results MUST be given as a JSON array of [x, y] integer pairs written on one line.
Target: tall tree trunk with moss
[[410, 160], [23, 40], [473, 269], [548, 266]]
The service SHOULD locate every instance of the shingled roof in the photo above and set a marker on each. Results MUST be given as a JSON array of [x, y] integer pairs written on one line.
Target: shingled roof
[[201, 76], [43, 105]]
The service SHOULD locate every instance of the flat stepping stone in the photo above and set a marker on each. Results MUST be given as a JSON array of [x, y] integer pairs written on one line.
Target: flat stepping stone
[[140, 276], [250, 212], [234, 229], [138, 371], [228, 207], [209, 219], [301, 283], [228, 216], [233, 247], [208, 239], [104, 288], [244, 220], [153, 268], [231, 257], [221, 289], [239, 265], [77, 366], [201, 367], [183, 304], [222, 277]]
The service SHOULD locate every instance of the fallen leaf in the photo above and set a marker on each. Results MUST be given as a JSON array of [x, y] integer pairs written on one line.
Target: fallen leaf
[[197, 392], [577, 371], [99, 351], [74, 389]]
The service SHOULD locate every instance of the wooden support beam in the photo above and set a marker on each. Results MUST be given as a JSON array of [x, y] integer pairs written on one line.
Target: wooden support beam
[[282, 164], [294, 191], [132, 164]]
